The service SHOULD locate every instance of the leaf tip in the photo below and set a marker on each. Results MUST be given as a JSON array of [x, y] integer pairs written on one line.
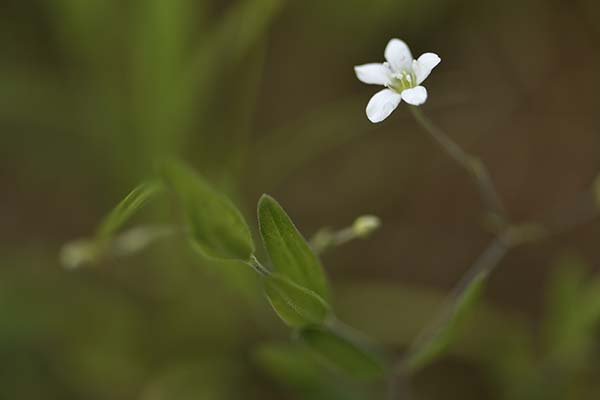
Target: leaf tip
[[265, 198]]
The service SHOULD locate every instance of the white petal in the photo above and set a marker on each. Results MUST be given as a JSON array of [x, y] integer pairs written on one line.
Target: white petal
[[398, 55], [423, 66], [373, 74], [415, 96], [382, 104]]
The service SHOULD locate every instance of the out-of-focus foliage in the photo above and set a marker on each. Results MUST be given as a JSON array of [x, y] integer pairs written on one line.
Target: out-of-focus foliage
[[259, 96], [216, 226], [428, 349], [343, 352]]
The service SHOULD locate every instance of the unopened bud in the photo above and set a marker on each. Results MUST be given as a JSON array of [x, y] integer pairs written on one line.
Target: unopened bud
[[364, 225], [75, 254]]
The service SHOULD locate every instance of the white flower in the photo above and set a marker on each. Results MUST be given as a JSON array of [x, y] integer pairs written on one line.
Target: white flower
[[401, 75]]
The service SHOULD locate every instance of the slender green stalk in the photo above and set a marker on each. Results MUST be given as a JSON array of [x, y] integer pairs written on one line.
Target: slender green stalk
[[472, 164], [326, 239], [482, 266], [399, 387], [257, 266], [362, 227], [509, 236], [481, 269]]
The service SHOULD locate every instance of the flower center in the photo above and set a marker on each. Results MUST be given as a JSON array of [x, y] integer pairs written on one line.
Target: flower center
[[403, 80]]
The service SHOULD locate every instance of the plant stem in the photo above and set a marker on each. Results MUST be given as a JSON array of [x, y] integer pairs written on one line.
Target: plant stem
[[472, 164], [257, 266], [482, 266], [481, 269], [508, 237]]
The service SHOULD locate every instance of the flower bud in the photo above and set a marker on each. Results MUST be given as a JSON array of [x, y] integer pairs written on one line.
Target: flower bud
[[364, 225]]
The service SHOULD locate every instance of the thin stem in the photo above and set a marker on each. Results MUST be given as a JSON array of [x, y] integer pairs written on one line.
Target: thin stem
[[472, 164], [325, 239], [257, 266], [361, 228], [480, 269], [509, 236], [482, 266]]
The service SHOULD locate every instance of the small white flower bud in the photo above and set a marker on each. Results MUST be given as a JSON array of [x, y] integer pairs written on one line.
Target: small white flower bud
[[75, 254], [365, 225]]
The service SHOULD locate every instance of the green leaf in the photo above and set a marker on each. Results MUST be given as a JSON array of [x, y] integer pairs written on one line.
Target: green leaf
[[433, 345], [297, 367], [126, 208], [289, 252], [242, 26], [573, 314], [297, 306], [291, 364], [344, 353], [217, 228], [88, 251], [224, 48]]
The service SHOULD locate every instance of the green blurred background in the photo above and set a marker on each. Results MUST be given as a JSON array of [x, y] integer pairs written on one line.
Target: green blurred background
[[260, 96]]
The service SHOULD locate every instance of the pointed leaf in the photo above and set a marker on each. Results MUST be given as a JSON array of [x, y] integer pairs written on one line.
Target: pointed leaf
[[88, 251], [217, 228], [297, 306], [290, 253], [126, 208]]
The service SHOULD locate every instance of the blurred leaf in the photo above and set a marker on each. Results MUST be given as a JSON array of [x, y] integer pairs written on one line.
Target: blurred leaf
[[126, 208], [343, 353], [162, 36], [243, 25], [573, 314], [86, 251], [223, 50], [297, 367], [196, 380], [289, 252], [229, 59], [297, 306], [431, 346], [82, 26], [217, 228], [288, 363]]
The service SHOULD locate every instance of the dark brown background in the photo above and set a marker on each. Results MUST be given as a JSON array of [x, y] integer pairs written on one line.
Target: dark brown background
[[87, 104]]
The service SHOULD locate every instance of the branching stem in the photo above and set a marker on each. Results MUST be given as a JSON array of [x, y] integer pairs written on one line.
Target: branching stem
[[507, 237]]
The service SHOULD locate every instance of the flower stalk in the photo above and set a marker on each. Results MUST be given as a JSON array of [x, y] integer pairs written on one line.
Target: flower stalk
[[257, 266], [472, 164], [361, 228]]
